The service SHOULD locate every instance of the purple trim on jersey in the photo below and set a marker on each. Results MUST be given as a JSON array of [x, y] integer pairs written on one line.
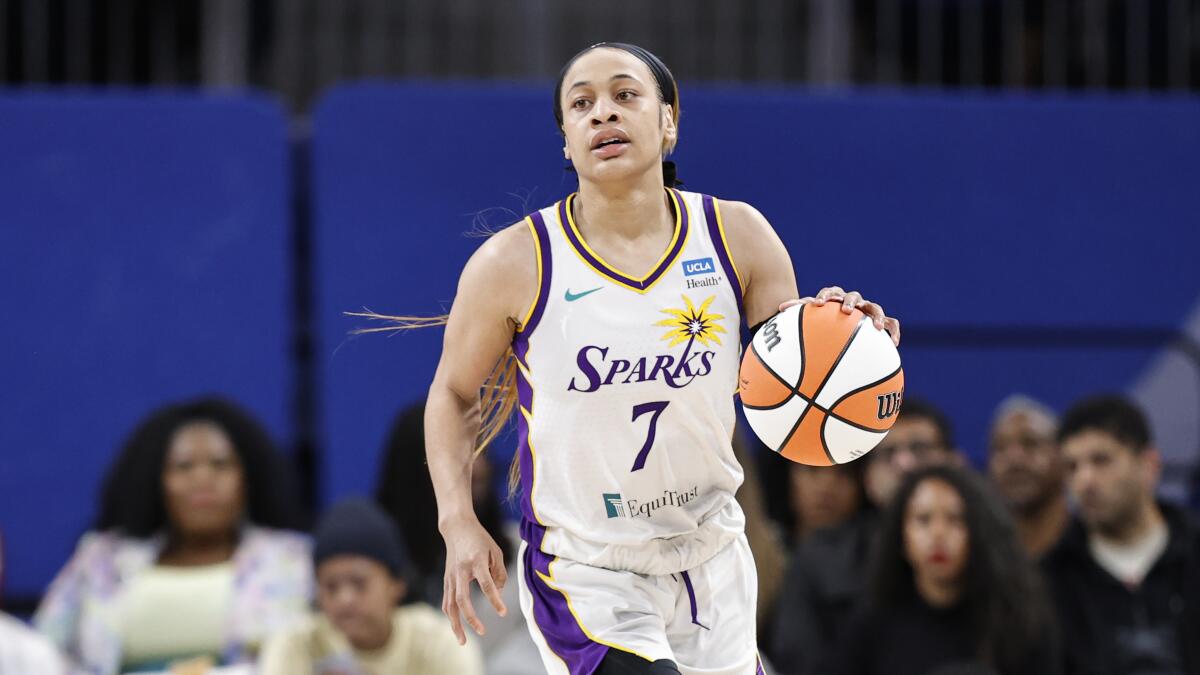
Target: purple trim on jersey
[[551, 612], [607, 271], [760, 670], [543, 235], [524, 450], [524, 388], [687, 582], [714, 233], [520, 347], [520, 342]]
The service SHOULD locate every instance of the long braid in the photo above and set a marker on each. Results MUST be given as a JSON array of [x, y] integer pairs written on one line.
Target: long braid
[[497, 394]]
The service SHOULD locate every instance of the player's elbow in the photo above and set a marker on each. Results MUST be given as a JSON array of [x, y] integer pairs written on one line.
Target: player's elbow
[[445, 400]]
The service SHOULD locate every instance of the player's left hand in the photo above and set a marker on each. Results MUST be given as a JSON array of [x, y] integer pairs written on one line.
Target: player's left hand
[[850, 302]]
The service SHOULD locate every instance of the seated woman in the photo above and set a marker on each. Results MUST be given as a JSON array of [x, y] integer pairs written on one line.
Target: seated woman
[[950, 589], [360, 563], [186, 560]]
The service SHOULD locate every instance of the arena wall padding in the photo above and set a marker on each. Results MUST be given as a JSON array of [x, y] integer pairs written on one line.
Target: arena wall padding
[[144, 258]]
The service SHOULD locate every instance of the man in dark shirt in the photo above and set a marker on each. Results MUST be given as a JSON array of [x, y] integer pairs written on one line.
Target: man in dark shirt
[[1126, 575], [1025, 465]]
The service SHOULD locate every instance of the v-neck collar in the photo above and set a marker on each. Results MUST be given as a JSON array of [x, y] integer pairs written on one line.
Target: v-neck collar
[[566, 220]]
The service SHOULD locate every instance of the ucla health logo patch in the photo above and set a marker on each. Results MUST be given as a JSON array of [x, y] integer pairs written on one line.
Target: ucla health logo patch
[[698, 266], [703, 268]]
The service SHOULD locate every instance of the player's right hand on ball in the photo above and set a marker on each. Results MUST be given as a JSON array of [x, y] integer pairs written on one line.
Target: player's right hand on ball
[[471, 555]]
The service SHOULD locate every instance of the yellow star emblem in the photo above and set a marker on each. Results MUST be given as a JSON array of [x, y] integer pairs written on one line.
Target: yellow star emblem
[[692, 323]]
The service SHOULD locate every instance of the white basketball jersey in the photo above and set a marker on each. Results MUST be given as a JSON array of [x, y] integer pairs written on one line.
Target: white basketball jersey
[[627, 398]]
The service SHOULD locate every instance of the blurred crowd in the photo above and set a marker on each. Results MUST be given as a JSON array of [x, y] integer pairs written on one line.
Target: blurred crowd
[[1056, 558]]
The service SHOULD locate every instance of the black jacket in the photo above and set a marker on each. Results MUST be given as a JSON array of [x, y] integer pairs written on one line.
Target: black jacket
[[823, 585], [1111, 629], [913, 638]]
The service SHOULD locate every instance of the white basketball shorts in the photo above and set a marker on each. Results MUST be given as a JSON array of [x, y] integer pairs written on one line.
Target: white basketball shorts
[[703, 619]]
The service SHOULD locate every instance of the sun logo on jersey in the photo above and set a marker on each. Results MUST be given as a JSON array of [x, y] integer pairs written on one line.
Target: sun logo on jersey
[[692, 323]]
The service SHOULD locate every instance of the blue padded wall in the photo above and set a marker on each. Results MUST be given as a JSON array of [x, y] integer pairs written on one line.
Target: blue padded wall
[[144, 257]]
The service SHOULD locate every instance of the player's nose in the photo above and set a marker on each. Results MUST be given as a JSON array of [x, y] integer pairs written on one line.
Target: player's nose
[[604, 111]]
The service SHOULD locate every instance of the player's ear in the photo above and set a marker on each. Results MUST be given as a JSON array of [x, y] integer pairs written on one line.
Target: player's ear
[[566, 152], [670, 130]]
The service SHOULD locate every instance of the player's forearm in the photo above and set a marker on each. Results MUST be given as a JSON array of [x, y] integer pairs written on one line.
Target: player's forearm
[[451, 427]]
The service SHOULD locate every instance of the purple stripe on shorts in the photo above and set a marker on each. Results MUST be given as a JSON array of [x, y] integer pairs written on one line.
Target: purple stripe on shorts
[[687, 582], [551, 613], [714, 233], [760, 670]]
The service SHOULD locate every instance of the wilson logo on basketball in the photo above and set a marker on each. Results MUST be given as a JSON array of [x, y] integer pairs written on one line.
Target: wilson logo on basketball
[[889, 404], [771, 333]]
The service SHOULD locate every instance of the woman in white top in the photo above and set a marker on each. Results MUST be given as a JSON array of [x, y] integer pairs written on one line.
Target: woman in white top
[[186, 560]]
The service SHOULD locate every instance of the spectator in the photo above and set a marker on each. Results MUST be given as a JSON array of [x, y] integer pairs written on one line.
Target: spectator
[[360, 563], [185, 560], [405, 491], [949, 586], [825, 497], [824, 578], [1126, 575], [802, 499], [922, 436], [1025, 465], [23, 651]]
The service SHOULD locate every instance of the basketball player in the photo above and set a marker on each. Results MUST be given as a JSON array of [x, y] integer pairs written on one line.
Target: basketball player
[[619, 308]]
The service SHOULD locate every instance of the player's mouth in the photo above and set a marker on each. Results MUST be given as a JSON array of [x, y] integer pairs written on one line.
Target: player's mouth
[[609, 144]]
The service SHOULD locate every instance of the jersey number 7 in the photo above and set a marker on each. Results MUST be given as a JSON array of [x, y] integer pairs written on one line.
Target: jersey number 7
[[655, 407]]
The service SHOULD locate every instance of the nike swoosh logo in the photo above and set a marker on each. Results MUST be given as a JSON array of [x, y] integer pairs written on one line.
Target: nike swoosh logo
[[572, 297]]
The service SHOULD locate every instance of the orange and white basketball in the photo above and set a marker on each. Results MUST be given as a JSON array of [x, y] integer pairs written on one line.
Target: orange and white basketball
[[820, 386]]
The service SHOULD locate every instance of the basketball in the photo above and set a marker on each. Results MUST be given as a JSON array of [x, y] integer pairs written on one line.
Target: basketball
[[820, 386]]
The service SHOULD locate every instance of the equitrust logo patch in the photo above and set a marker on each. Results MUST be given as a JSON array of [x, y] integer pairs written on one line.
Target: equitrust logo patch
[[613, 505], [617, 507]]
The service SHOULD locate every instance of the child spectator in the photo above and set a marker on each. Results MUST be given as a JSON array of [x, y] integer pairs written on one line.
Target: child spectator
[[361, 629]]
